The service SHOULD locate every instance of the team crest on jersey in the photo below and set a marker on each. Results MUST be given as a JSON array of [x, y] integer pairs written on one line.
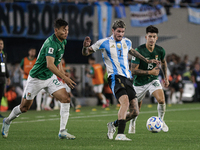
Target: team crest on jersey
[[50, 50], [156, 57], [124, 46], [29, 94], [113, 46], [119, 45]]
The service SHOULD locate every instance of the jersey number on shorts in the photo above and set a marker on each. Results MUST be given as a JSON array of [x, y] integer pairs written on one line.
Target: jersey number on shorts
[[156, 84], [56, 82]]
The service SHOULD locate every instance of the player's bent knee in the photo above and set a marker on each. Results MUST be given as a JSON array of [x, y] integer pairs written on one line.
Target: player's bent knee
[[65, 99], [161, 101], [24, 109]]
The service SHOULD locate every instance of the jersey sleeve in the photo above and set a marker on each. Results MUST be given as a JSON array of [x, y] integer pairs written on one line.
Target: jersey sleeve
[[22, 64], [96, 46], [134, 59], [162, 54], [129, 44], [51, 50]]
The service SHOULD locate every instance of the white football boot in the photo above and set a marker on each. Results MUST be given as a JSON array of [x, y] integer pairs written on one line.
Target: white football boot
[[165, 128], [122, 137], [111, 130], [5, 129], [65, 135]]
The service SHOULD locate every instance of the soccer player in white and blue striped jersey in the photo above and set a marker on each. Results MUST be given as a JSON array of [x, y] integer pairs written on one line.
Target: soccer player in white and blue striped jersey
[[115, 50]]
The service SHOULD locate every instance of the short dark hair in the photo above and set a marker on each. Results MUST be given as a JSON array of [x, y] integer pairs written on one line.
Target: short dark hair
[[91, 58], [151, 29], [59, 23], [118, 24], [31, 48]]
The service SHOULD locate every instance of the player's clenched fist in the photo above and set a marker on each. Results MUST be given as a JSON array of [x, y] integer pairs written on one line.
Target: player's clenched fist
[[87, 41]]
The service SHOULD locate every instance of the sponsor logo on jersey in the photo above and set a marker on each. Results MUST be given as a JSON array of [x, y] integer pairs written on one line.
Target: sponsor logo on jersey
[[119, 45], [156, 57], [50, 50]]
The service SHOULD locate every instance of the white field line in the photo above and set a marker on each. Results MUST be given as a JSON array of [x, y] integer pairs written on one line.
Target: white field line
[[91, 116]]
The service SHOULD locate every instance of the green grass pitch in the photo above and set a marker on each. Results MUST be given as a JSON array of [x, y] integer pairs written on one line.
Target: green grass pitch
[[39, 130]]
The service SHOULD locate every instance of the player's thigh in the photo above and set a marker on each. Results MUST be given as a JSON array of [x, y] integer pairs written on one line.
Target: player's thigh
[[156, 90], [55, 85], [159, 95]]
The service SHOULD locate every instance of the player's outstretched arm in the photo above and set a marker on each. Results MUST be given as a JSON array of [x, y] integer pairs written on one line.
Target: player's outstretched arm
[[86, 50], [135, 53]]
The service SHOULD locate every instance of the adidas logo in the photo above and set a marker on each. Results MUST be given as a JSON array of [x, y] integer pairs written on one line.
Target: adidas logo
[[113, 46]]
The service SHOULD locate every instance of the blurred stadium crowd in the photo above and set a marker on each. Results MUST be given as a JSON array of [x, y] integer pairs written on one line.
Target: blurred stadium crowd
[[167, 3]]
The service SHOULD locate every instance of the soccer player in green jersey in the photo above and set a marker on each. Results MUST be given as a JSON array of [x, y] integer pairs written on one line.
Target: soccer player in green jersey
[[146, 75], [43, 75]]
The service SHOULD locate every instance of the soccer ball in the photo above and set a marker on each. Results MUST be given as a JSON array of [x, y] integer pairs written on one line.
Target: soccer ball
[[154, 124]]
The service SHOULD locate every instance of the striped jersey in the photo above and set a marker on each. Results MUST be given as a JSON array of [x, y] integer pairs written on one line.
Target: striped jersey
[[115, 55]]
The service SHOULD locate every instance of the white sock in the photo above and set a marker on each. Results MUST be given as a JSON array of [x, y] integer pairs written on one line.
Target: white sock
[[161, 110], [133, 121], [48, 102], [39, 99], [64, 115], [14, 114], [104, 99]]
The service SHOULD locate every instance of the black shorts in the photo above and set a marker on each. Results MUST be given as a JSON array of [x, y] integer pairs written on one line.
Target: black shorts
[[121, 86]]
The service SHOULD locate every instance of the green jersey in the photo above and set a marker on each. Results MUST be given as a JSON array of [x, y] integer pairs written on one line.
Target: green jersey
[[51, 47], [158, 54]]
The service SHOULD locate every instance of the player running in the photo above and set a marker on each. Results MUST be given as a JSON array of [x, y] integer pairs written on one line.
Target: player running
[[43, 76], [146, 75], [115, 50]]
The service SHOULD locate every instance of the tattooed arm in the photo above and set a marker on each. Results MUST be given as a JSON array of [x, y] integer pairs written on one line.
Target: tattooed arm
[[135, 53], [164, 70], [86, 50], [135, 70]]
